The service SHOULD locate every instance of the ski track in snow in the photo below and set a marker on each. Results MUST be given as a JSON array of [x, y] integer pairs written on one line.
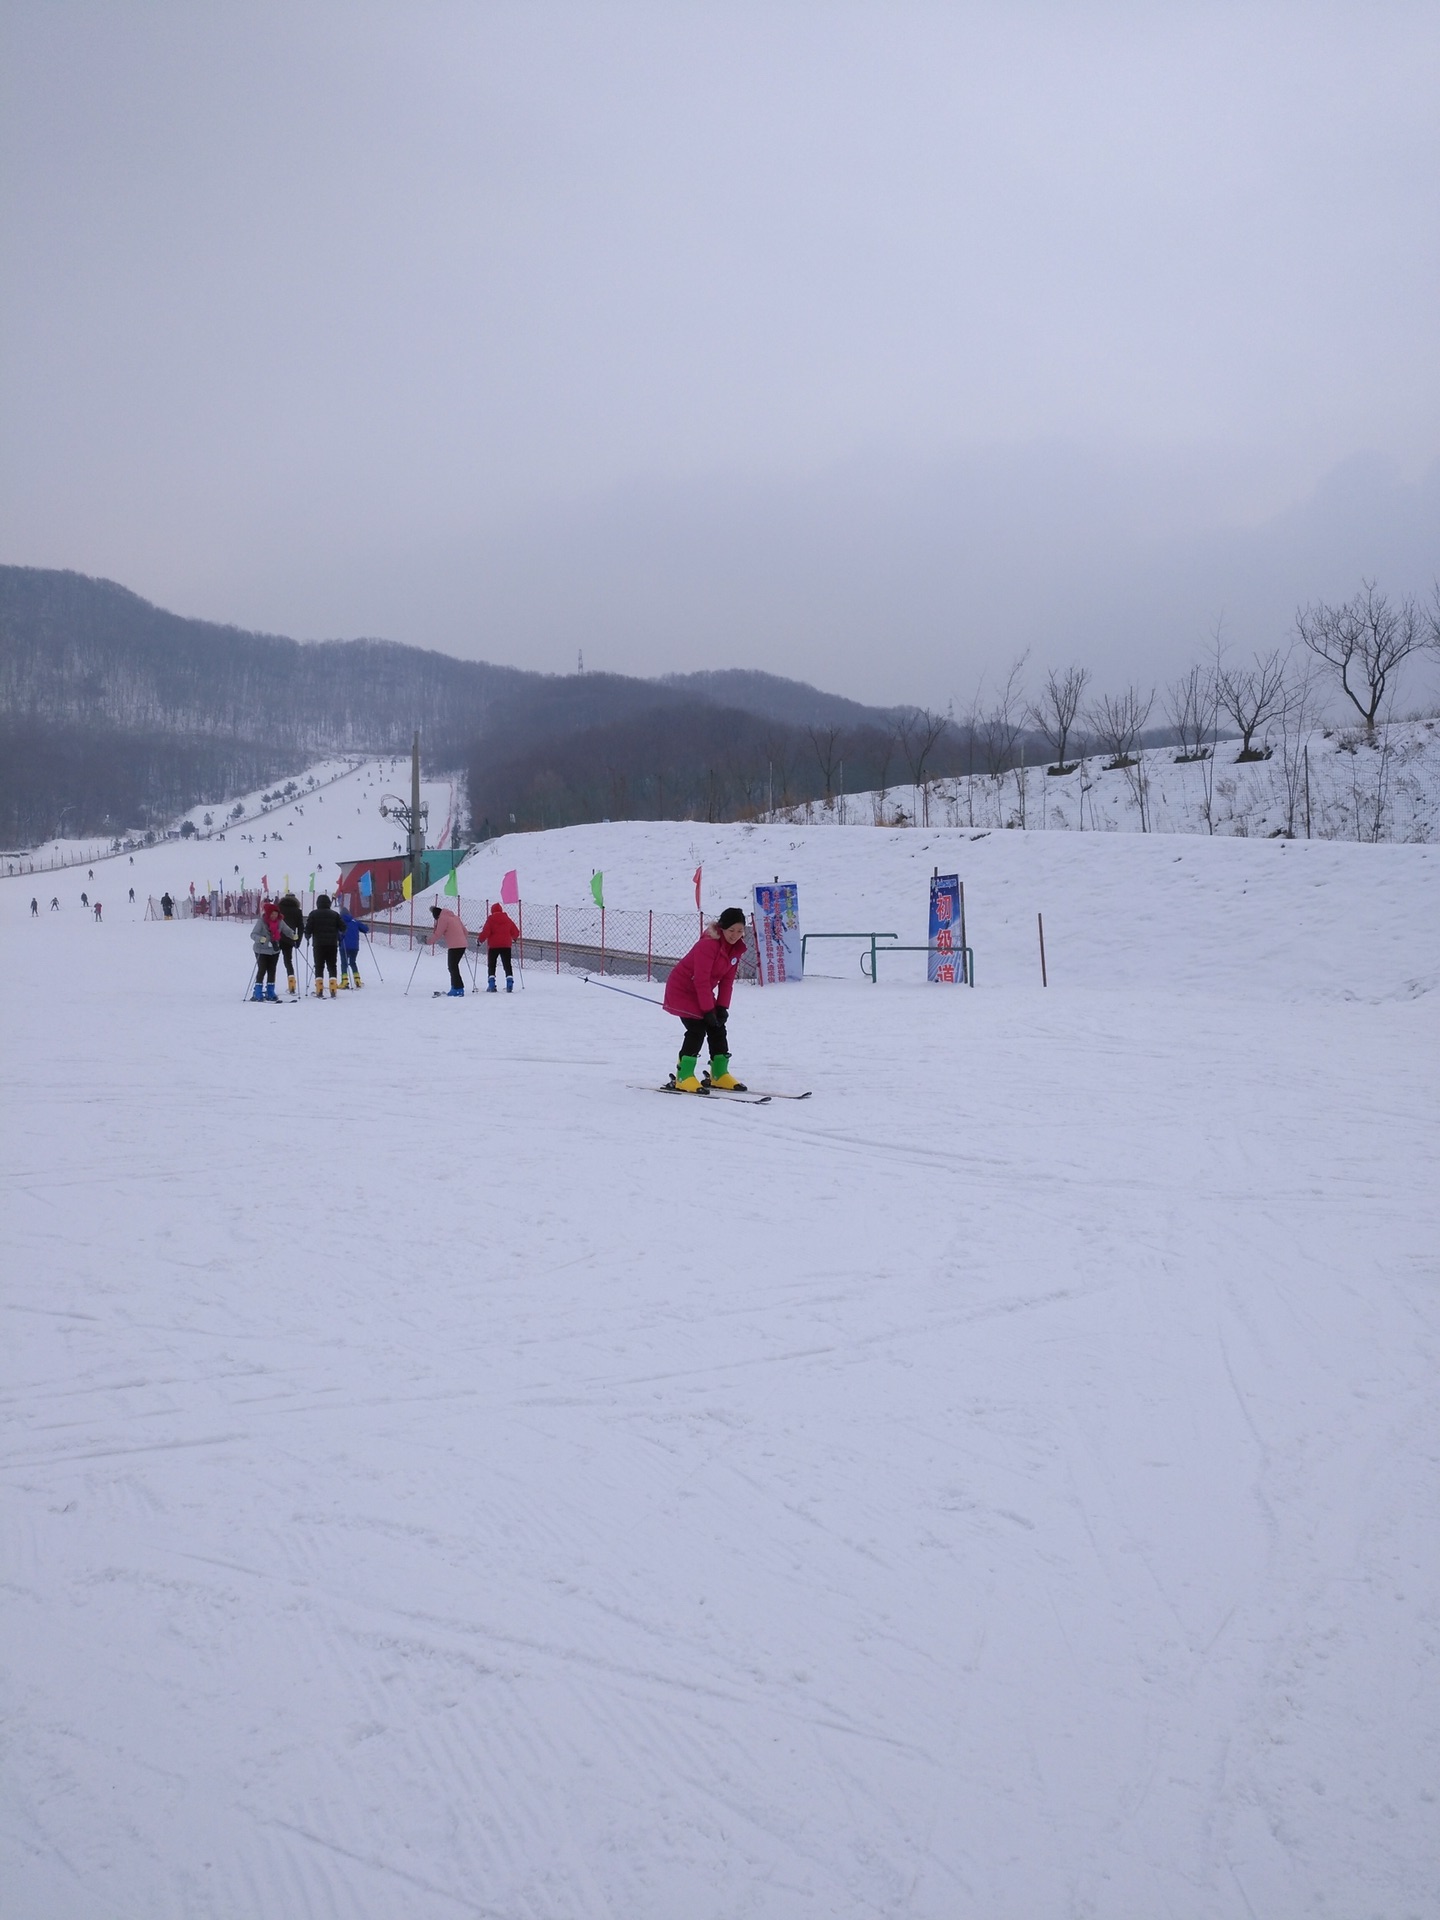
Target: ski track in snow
[[437, 1482]]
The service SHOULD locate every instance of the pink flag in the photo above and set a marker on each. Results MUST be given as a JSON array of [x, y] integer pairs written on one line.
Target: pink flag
[[698, 872], [510, 890]]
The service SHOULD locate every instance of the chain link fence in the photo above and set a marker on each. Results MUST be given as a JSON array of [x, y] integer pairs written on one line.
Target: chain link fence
[[629, 941]]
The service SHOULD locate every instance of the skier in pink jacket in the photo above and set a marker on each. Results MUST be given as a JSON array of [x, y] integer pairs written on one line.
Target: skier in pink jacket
[[450, 932], [698, 992]]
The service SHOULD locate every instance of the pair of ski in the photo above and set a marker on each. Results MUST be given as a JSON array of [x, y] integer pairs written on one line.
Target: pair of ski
[[742, 1096]]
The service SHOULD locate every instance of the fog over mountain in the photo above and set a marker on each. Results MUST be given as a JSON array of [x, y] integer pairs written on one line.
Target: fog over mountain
[[868, 346]]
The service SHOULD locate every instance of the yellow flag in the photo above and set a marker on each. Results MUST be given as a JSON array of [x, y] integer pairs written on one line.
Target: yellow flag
[[405, 886]]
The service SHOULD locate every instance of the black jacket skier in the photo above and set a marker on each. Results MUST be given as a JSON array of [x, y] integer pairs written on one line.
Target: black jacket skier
[[292, 932], [323, 930]]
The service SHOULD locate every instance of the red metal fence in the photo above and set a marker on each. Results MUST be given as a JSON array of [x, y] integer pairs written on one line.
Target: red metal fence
[[631, 941]]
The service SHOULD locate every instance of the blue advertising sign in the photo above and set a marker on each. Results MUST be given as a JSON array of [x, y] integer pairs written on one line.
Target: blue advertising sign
[[946, 959], [777, 931]]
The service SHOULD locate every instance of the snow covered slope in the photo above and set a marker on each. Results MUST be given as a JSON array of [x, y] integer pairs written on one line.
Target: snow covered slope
[[442, 1478]]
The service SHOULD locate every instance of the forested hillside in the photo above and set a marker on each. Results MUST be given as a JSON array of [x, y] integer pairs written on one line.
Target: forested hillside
[[115, 714]]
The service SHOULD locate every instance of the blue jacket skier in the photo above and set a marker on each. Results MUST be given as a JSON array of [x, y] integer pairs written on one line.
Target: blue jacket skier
[[350, 947]]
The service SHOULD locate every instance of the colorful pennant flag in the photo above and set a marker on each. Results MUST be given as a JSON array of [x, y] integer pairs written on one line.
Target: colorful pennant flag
[[597, 888], [406, 888], [698, 872], [366, 886], [510, 890], [452, 884]]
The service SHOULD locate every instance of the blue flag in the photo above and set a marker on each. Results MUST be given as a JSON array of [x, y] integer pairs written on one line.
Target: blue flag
[[365, 887]]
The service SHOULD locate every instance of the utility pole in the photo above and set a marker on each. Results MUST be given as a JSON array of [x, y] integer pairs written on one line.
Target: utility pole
[[417, 824], [411, 816]]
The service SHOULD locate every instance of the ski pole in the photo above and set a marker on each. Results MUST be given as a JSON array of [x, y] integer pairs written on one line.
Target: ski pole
[[627, 991], [411, 981], [254, 971], [374, 962]]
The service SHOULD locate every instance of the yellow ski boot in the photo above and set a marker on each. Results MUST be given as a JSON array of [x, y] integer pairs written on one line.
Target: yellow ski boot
[[721, 1076], [334, 986], [684, 1080]]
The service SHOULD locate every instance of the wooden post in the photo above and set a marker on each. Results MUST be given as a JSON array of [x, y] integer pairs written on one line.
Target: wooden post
[[964, 943], [1040, 922], [649, 942], [602, 943], [557, 936]]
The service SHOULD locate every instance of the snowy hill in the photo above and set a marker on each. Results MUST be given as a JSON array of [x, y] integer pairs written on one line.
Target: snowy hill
[[1328, 784], [443, 1477]]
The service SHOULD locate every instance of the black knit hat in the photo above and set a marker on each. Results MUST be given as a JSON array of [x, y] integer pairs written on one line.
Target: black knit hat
[[731, 917]]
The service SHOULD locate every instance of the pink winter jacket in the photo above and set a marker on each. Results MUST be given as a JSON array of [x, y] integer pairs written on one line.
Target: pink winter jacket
[[705, 978], [449, 930]]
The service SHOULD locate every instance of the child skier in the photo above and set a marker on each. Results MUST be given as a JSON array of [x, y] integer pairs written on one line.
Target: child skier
[[350, 947], [265, 939], [499, 934], [451, 932], [698, 992]]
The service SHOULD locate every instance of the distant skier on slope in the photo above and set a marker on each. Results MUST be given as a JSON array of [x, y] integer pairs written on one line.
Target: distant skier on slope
[[450, 929], [499, 934], [34, 908], [350, 947], [698, 992], [323, 929]]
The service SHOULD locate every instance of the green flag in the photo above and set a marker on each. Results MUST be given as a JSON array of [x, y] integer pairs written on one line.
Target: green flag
[[452, 885], [597, 888]]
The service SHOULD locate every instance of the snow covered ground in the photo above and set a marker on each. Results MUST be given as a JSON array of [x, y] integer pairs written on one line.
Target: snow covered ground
[[441, 1478]]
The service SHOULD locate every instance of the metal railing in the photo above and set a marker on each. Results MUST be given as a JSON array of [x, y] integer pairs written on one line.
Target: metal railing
[[966, 956], [806, 938]]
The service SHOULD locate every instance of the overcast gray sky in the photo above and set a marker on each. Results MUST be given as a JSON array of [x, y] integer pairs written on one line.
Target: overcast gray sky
[[867, 343]]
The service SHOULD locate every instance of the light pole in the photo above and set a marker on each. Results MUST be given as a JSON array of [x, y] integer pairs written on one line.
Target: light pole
[[411, 815]]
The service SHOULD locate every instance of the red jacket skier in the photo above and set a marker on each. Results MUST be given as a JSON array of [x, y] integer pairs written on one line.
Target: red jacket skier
[[698, 992], [499, 934]]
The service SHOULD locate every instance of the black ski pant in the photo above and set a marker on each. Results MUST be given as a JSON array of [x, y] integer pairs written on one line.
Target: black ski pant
[[710, 1029], [325, 955], [502, 954], [453, 958], [287, 954], [265, 967]]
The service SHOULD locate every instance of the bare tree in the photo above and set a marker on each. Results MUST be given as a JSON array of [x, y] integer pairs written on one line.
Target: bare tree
[[826, 742], [918, 729], [1000, 726], [1190, 706], [885, 745], [1251, 696], [1053, 714], [1364, 642], [1117, 720], [1298, 711]]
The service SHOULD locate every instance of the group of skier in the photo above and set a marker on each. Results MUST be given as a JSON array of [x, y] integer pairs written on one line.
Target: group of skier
[[697, 992], [282, 926]]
